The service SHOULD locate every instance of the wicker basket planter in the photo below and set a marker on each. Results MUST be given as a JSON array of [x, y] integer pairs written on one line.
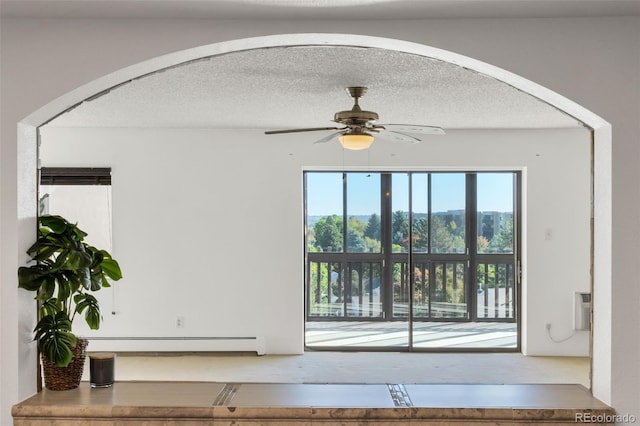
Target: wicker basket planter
[[65, 378]]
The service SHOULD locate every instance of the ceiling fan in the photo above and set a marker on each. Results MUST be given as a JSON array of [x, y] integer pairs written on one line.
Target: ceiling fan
[[360, 126]]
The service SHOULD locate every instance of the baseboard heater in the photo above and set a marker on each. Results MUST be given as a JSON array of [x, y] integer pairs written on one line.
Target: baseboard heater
[[177, 344]]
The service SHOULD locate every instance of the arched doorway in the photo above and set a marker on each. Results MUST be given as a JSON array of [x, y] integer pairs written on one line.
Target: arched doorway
[[601, 135]]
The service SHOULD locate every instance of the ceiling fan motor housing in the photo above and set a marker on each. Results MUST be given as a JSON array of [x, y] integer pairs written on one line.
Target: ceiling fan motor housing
[[355, 117]]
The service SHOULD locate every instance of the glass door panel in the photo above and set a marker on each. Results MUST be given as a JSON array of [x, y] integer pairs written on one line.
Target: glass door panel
[[401, 290], [420, 212], [420, 224], [495, 268], [495, 213], [363, 212], [496, 290], [421, 290], [398, 260], [363, 290], [400, 212], [448, 200], [326, 291], [449, 295], [324, 211]]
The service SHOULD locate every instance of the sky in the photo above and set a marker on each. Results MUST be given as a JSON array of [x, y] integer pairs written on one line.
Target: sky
[[324, 192]]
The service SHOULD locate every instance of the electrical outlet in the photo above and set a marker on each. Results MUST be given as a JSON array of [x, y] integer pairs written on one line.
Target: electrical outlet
[[179, 322], [548, 326]]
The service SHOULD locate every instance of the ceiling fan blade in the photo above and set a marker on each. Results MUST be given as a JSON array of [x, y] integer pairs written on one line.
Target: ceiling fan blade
[[414, 128], [394, 136], [311, 129], [329, 137]]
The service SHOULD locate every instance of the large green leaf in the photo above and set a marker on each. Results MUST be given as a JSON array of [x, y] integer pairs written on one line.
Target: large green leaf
[[50, 307], [56, 223], [43, 249], [60, 225], [84, 277], [32, 277], [75, 281], [47, 288], [96, 280], [55, 339], [111, 268], [105, 282], [77, 260], [89, 303], [65, 287], [103, 267], [72, 260]]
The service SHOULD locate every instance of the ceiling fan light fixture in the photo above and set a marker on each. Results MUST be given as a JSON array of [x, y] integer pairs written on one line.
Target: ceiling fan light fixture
[[355, 141]]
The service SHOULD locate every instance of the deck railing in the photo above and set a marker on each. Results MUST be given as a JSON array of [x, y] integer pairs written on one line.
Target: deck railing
[[442, 289], [496, 290], [344, 289]]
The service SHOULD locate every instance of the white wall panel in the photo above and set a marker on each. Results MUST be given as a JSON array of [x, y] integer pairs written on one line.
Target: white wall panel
[[208, 225]]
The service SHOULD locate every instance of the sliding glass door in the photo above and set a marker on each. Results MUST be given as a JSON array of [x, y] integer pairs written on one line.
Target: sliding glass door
[[411, 260]]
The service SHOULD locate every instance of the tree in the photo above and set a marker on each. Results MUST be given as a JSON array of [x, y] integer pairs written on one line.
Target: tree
[[446, 236], [328, 233], [373, 227], [355, 241], [400, 226], [482, 244], [503, 240], [421, 234], [356, 225]]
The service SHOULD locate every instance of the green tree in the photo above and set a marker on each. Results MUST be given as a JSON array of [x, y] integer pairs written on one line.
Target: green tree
[[328, 233], [373, 227], [482, 244], [400, 227], [503, 240], [446, 236], [355, 241], [421, 234], [355, 235], [356, 225], [373, 246]]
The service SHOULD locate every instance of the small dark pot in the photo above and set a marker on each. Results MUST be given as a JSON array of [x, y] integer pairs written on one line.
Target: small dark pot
[[101, 369]]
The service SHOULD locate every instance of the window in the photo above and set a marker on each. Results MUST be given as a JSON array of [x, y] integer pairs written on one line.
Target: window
[[81, 195]]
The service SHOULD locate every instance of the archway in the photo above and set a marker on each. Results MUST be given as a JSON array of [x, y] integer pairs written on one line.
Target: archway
[[28, 137]]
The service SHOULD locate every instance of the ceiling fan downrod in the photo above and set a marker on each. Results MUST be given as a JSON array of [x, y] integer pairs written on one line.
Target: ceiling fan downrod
[[355, 116], [356, 93]]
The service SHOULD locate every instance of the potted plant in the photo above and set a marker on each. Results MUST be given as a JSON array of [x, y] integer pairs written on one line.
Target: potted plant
[[66, 272]]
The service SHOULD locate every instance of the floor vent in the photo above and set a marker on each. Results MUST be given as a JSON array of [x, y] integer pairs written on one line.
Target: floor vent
[[226, 395], [400, 396]]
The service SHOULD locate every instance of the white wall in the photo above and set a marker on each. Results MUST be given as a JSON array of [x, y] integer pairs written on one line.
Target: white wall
[[594, 61], [208, 224]]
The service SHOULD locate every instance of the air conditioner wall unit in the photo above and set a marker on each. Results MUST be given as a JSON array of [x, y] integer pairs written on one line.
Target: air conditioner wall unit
[[582, 311]]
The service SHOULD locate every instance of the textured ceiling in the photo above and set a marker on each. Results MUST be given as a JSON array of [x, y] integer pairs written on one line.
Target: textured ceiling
[[304, 86]]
